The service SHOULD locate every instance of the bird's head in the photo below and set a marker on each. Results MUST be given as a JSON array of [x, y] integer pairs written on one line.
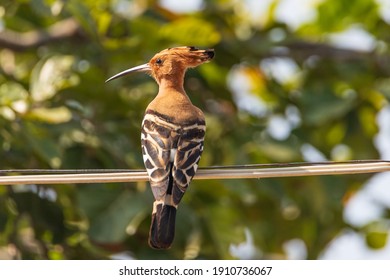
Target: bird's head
[[172, 62]]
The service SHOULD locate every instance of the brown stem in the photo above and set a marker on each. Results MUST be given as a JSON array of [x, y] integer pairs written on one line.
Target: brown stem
[[17, 41]]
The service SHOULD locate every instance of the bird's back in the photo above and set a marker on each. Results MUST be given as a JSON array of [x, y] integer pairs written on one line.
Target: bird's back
[[171, 152]]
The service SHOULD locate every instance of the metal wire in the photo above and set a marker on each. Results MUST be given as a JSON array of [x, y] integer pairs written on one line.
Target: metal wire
[[79, 176]]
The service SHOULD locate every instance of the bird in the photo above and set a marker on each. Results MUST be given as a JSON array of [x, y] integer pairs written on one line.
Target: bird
[[172, 136]]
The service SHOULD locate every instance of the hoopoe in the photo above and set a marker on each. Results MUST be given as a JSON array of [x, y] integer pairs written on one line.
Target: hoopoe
[[172, 136]]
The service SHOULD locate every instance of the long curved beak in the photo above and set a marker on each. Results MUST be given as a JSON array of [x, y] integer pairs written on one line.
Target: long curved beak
[[141, 68]]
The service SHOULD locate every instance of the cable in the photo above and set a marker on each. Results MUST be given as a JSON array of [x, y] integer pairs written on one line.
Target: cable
[[243, 166], [69, 176]]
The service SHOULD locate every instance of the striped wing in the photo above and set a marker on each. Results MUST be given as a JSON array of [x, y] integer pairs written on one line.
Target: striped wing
[[156, 144], [171, 154], [189, 151]]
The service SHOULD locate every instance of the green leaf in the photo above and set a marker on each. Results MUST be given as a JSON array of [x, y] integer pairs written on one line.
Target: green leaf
[[51, 75], [376, 239], [51, 115], [318, 101], [47, 216], [11, 92], [83, 14], [104, 21], [43, 144], [190, 31], [110, 211]]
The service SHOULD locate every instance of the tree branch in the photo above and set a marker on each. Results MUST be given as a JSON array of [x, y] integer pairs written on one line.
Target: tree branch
[[17, 41], [324, 50], [301, 50]]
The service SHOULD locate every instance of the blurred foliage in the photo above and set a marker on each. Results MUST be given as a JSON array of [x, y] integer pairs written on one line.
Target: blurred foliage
[[56, 112]]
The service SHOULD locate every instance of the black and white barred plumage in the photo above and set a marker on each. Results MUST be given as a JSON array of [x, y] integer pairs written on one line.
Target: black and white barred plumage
[[171, 153]]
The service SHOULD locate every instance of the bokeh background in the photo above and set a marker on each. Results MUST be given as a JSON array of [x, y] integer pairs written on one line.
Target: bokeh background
[[292, 80]]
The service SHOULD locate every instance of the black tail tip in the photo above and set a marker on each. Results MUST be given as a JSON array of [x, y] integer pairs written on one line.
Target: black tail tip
[[158, 245], [162, 228]]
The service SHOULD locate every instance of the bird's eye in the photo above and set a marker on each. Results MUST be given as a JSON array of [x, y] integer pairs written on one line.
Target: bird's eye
[[159, 61]]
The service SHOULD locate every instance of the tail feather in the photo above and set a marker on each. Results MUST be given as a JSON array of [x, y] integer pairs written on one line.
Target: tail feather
[[162, 228]]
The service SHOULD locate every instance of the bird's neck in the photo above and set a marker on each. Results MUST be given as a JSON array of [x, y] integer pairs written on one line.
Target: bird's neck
[[172, 85]]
